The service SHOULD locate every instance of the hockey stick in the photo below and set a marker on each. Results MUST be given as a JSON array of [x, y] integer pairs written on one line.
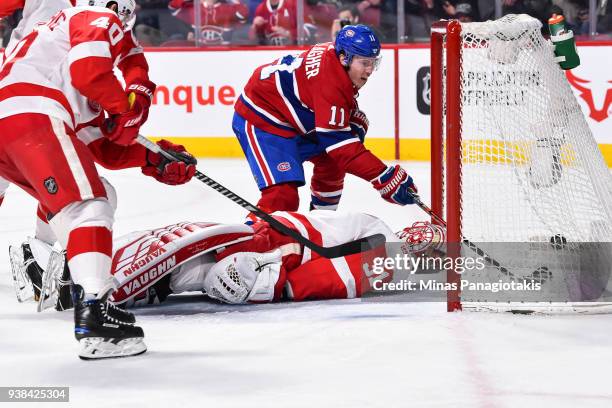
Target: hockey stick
[[542, 272], [337, 251]]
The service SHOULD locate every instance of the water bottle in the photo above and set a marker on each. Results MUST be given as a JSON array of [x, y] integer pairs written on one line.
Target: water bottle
[[564, 42]]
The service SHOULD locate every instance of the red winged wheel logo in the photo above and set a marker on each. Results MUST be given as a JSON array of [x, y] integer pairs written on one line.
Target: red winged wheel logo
[[587, 95]]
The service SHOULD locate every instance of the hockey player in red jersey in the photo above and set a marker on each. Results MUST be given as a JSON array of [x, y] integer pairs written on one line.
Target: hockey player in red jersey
[[134, 68], [50, 82], [304, 107], [132, 64], [236, 263], [34, 12]]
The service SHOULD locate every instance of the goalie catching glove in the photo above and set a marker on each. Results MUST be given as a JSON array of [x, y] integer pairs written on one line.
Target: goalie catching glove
[[167, 171], [395, 186], [244, 277]]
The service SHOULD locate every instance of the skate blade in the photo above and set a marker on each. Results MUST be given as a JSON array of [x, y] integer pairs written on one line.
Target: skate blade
[[21, 280], [97, 348], [51, 281]]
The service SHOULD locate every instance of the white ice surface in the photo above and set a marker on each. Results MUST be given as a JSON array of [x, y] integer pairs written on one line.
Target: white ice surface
[[315, 354]]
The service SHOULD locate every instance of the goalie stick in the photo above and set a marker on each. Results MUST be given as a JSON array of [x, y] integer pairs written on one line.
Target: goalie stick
[[541, 274], [337, 251]]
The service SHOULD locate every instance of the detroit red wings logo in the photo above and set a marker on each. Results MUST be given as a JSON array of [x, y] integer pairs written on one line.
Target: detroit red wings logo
[[586, 93]]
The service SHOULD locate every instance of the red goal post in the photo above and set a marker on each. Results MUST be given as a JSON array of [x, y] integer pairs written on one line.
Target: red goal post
[[446, 34]]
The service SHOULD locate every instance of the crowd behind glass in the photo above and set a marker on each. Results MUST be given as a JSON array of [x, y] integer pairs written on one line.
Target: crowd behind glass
[[185, 23]]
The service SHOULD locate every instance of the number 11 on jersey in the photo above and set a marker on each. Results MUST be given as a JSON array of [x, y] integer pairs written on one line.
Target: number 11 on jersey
[[334, 114]]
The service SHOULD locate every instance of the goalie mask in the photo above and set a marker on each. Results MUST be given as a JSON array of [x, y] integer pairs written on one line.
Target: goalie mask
[[125, 9], [243, 277], [423, 238]]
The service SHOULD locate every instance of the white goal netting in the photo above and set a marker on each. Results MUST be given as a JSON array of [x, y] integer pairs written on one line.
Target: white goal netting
[[536, 194]]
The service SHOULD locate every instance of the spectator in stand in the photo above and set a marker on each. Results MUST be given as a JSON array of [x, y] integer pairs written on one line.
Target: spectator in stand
[[155, 25], [581, 24], [370, 12], [318, 20], [539, 9], [274, 23], [347, 15], [420, 15], [463, 11], [569, 10], [604, 16], [218, 18], [147, 12]]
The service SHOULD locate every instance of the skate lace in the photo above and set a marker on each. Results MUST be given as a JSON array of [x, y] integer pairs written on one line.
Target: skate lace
[[104, 308]]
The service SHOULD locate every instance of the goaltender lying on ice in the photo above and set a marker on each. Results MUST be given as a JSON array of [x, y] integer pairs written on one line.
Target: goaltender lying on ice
[[234, 263]]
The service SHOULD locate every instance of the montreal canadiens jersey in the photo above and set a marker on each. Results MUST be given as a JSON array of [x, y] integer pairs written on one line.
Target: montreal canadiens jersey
[[300, 94], [61, 66], [312, 96]]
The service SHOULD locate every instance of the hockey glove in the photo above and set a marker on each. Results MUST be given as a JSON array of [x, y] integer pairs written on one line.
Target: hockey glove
[[359, 124], [143, 92], [168, 171], [395, 186], [122, 128]]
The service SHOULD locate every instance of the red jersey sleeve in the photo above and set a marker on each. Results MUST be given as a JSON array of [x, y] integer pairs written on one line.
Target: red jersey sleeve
[[355, 159], [133, 64], [108, 154], [95, 43], [115, 157]]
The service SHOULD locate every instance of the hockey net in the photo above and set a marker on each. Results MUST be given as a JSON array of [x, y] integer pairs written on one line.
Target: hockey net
[[517, 172]]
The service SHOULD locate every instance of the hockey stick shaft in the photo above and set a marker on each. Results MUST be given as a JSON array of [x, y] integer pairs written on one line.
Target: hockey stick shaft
[[348, 248]]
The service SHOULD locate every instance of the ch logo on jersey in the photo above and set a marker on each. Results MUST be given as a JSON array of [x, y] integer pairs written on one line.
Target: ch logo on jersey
[[212, 34], [50, 185], [284, 166], [586, 94]]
